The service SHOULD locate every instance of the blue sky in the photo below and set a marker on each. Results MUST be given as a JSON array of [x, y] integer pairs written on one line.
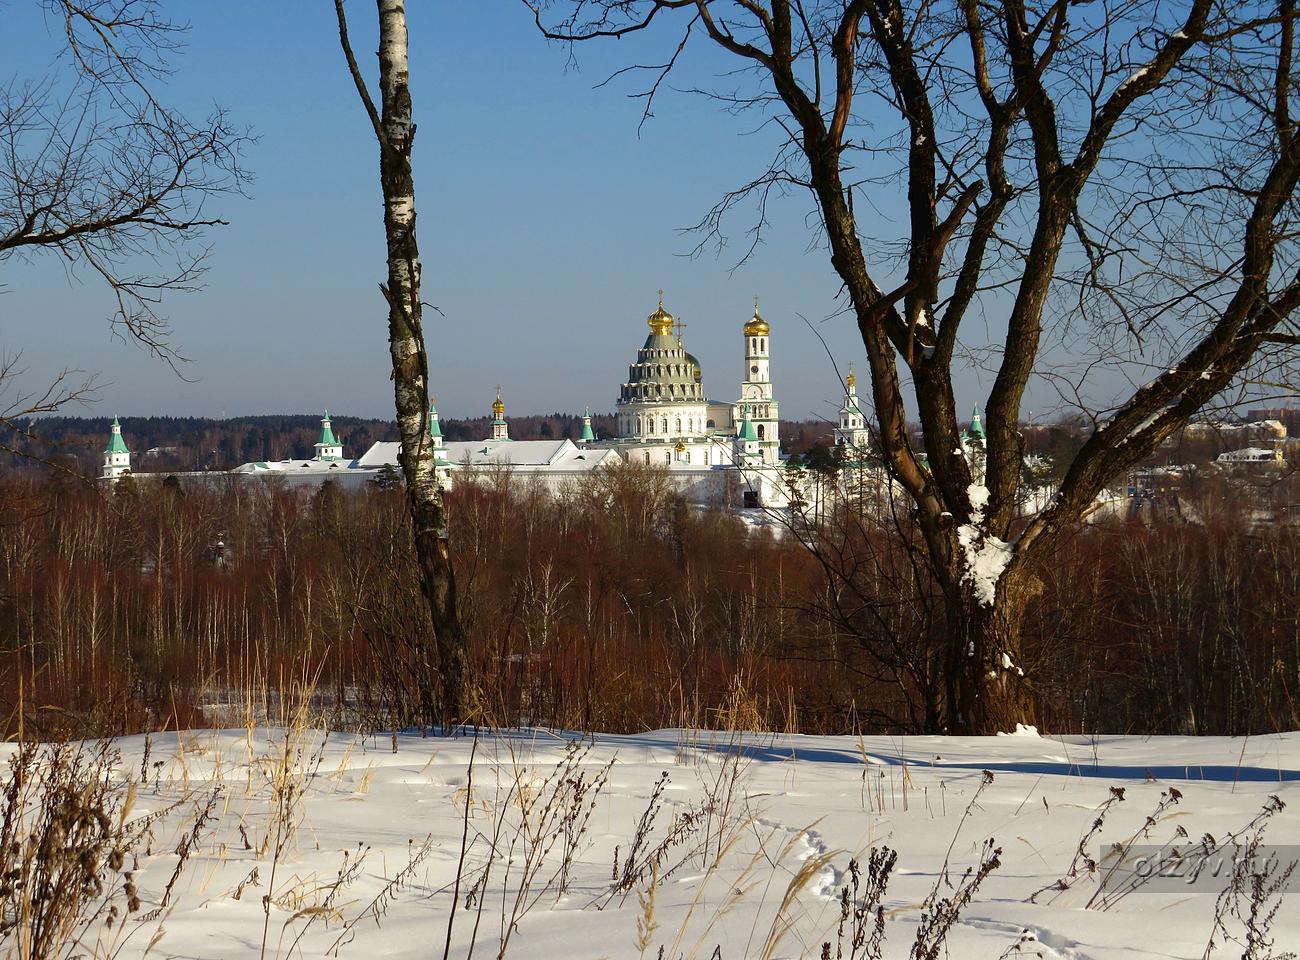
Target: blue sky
[[546, 225]]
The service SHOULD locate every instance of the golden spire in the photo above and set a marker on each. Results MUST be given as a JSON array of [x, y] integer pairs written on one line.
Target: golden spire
[[851, 379], [757, 327], [661, 321], [498, 408]]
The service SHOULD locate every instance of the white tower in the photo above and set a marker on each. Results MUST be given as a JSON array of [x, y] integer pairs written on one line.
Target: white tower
[[328, 446], [117, 458], [435, 429], [852, 432], [500, 430], [756, 402]]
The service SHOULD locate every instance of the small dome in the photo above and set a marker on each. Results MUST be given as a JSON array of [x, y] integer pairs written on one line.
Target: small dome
[[694, 363], [756, 327], [661, 321]]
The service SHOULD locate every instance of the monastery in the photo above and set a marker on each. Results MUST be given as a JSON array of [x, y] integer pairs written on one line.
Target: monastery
[[715, 451]]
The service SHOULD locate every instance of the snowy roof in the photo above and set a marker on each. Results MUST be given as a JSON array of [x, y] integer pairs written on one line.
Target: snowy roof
[[302, 466], [527, 454], [1248, 453]]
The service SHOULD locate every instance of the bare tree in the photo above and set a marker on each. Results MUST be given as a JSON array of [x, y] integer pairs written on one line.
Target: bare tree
[[97, 171], [1116, 178], [394, 130], [94, 168]]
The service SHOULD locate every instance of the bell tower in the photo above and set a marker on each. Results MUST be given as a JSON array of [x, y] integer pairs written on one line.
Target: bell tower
[[757, 404], [852, 433], [500, 430]]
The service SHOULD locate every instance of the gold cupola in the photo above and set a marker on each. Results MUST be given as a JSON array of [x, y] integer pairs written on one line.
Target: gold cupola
[[661, 321], [498, 408], [757, 327]]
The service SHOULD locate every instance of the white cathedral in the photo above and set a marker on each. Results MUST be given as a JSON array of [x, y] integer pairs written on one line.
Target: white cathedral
[[664, 415]]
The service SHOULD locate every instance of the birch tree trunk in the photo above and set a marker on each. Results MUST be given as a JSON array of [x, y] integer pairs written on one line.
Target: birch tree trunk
[[395, 132]]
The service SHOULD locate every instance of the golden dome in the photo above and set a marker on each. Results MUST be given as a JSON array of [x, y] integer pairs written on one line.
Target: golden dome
[[756, 327], [661, 321], [498, 408], [851, 380]]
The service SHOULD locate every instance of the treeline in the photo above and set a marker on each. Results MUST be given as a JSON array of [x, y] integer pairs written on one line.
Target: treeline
[[621, 608]]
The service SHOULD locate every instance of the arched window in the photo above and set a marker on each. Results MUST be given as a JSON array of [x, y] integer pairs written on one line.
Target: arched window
[[679, 426], [638, 425], [665, 425], [760, 431], [710, 425], [763, 341]]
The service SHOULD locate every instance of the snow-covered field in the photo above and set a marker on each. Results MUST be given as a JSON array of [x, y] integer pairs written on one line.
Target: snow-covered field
[[744, 853]]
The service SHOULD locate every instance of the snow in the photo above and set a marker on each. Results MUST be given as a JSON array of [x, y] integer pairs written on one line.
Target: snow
[[1022, 730], [787, 814], [1138, 76], [986, 555]]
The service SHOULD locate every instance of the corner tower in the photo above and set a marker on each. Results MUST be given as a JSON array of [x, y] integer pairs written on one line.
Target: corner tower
[[328, 446], [757, 403], [117, 458]]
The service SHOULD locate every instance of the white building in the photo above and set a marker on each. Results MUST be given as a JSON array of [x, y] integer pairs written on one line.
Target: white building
[[1271, 455], [329, 462], [557, 465], [852, 435], [664, 415], [117, 458]]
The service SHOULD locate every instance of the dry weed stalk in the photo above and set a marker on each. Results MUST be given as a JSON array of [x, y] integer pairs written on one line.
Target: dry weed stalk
[[861, 908], [68, 854], [1081, 858]]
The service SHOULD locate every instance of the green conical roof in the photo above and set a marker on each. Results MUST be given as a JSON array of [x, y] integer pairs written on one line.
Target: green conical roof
[[435, 430], [747, 431], [587, 433], [976, 425], [326, 432], [115, 442]]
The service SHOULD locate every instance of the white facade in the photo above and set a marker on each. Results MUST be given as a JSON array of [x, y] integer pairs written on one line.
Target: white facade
[[555, 464], [665, 417], [757, 403], [117, 458], [852, 433]]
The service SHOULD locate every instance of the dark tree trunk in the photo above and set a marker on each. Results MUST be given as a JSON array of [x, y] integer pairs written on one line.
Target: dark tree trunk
[[987, 690]]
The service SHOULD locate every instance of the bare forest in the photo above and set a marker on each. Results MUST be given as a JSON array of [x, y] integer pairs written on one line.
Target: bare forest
[[620, 608]]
